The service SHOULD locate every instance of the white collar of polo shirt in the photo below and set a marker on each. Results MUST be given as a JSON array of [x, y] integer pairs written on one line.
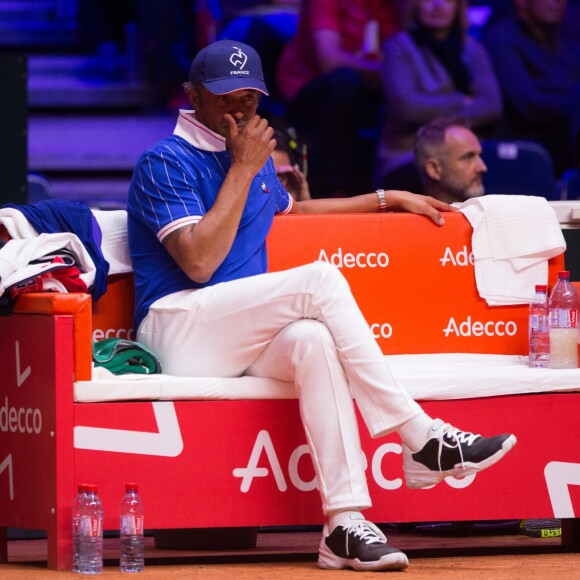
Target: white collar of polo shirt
[[196, 134]]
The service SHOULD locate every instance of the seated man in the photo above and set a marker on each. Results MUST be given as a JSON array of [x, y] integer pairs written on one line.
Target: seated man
[[200, 206], [448, 159]]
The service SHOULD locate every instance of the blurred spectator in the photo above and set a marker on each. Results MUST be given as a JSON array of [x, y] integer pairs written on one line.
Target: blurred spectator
[[290, 163], [448, 159], [538, 66], [329, 75], [500, 9], [266, 25], [430, 69]]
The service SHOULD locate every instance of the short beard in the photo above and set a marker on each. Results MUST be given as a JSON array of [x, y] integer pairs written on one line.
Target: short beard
[[460, 192]]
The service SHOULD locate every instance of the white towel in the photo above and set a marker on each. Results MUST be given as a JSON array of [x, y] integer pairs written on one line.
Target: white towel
[[17, 226], [115, 246], [514, 236]]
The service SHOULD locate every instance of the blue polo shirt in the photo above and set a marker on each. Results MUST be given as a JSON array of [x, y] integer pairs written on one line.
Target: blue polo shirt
[[174, 184]]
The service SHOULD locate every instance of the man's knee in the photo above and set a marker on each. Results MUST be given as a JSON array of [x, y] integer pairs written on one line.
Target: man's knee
[[322, 281], [310, 337], [333, 277], [325, 272]]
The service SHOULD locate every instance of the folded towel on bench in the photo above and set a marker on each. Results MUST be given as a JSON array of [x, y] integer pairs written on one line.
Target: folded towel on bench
[[514, 236], [120, 356]]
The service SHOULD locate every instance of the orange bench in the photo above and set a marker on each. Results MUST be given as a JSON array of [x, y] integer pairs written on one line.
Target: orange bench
[[415, 284]]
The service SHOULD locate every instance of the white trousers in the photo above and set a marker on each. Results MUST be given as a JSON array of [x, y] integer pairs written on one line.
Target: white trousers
[[300, 325]]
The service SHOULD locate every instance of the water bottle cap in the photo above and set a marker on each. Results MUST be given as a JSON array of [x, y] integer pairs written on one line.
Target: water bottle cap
[[131, 487], [541, 288], [92, 488], [564, 274], [83, 487]]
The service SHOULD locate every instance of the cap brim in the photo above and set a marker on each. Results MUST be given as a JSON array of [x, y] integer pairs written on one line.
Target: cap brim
[[224, 86]]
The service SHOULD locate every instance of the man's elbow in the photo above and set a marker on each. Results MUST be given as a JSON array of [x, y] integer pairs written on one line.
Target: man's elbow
[[199, 272]]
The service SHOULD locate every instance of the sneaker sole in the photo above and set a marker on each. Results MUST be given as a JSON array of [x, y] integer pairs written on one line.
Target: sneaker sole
[[330, 561], [418, 476]]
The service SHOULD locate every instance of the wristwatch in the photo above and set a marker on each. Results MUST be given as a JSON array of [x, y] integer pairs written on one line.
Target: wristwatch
[[382, 200]]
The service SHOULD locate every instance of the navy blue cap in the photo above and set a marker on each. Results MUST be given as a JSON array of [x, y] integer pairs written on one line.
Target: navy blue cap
[[226, 66]]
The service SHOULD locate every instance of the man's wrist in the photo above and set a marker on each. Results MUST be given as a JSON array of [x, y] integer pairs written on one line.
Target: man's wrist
[[382, 200]]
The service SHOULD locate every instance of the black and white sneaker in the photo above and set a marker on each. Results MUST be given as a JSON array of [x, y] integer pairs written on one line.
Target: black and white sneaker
[[359, 545], [451, 452]]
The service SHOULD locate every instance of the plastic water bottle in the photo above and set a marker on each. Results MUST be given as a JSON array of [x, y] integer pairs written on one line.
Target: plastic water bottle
[[81, 496], [539, 329], [132, 558], [563, 307], [90, 533]]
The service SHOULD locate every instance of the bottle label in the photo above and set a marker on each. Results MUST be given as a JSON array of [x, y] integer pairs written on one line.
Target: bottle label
[[539, 323], [90, 526], [131, 525], [563, 318]]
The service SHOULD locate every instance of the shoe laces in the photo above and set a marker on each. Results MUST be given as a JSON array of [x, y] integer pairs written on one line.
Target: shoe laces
[[456, 439], [366, 531]]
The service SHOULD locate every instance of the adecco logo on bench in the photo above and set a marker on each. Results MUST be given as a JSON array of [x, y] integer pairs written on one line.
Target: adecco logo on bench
[[342, 259], [126, 333], [13, 417], [20, 419], [469, 327], [458, 258]]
